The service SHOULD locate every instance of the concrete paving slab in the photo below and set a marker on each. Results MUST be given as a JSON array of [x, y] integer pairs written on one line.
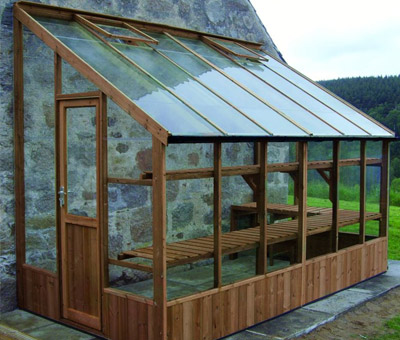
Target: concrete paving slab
[[57, 331], [23, 321], [380, 284], [291, 324], [247, 335], [340, 302], [393, 268]]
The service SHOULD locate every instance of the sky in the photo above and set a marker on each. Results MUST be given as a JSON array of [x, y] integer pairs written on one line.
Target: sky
[[335, 39]]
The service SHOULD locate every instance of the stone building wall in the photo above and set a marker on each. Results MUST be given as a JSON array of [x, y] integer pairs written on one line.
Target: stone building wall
[[189, 202]]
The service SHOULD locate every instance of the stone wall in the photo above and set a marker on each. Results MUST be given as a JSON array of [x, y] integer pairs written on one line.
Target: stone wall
[[129, 147]]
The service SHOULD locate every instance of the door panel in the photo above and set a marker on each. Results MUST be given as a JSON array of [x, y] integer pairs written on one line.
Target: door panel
[[82, 278], [79, 187]]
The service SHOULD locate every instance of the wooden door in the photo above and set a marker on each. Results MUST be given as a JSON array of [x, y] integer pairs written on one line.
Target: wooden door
[[79, 211]]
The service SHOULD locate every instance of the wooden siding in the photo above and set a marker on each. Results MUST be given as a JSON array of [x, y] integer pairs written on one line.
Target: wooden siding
[[222, 311], [239, 306], [235, 307], [41, 292], [331, 273], [128, 318]]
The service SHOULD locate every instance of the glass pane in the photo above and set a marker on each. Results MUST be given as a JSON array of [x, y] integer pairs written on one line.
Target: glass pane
[[73, 81], [39, 157], [325, 97], [122, 31], [81, 161], [198, 96], [301, 97], [130, 227], [129, 144], [270, 95], [233, 47], [142, 90], [241, 99]]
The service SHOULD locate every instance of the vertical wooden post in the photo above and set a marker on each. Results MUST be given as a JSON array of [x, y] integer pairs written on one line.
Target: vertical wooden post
[[217, 216], [302, 189], [159, 240], [384, 199], [363, 190], [256, 160], [262, 210], [19, 157], [103, 204], [302, 155], [295, 178], [335, 196], [103, 194], [57, 160]]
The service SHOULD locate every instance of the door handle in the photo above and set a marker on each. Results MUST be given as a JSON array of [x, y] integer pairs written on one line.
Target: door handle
[[61, 197]]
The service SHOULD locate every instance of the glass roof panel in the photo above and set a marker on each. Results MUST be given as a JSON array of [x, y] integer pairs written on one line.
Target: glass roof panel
[[157, 102], [302, 97], [277, 99], [234, 47], [190, 90], [115, 30], [241, 99], [325, 97]]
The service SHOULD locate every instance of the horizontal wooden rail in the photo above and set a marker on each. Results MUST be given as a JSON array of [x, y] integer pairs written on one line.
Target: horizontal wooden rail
[[174, 175], [115, 180], [131, 265]]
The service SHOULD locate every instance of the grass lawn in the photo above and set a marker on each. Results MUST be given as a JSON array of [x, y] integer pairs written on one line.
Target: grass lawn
[[392, 329], [372, 226]]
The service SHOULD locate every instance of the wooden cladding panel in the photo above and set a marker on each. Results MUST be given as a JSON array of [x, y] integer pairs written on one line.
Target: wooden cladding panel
[[128, 319], [41, 293], [83, 270], [239, 307], [328, 274]]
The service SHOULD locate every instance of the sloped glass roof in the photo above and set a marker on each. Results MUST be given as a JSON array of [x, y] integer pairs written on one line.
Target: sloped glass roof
[[193, 88]]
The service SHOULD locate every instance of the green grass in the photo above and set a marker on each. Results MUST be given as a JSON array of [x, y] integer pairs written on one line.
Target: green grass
[[392, 329], [372, 226]]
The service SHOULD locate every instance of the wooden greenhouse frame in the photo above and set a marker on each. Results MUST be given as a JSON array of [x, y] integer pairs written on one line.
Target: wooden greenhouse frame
[[224, 309]]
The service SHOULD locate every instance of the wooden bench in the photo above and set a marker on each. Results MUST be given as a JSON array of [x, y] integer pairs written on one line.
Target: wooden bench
[[192, 250]]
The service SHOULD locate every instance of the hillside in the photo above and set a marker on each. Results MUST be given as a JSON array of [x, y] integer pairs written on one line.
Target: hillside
[[380, 98]]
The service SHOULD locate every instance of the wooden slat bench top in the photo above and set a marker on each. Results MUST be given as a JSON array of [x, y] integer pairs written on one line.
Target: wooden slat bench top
[[281, 209], [192, 250]]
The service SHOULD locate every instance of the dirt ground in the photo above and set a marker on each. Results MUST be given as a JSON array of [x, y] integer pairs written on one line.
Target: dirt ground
[[365, 322]]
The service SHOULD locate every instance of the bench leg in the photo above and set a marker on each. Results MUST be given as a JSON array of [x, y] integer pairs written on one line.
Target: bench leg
[[271, 255], [233, 228]]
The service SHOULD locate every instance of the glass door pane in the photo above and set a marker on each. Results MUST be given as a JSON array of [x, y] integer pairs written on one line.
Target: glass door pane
[[81, 161]]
